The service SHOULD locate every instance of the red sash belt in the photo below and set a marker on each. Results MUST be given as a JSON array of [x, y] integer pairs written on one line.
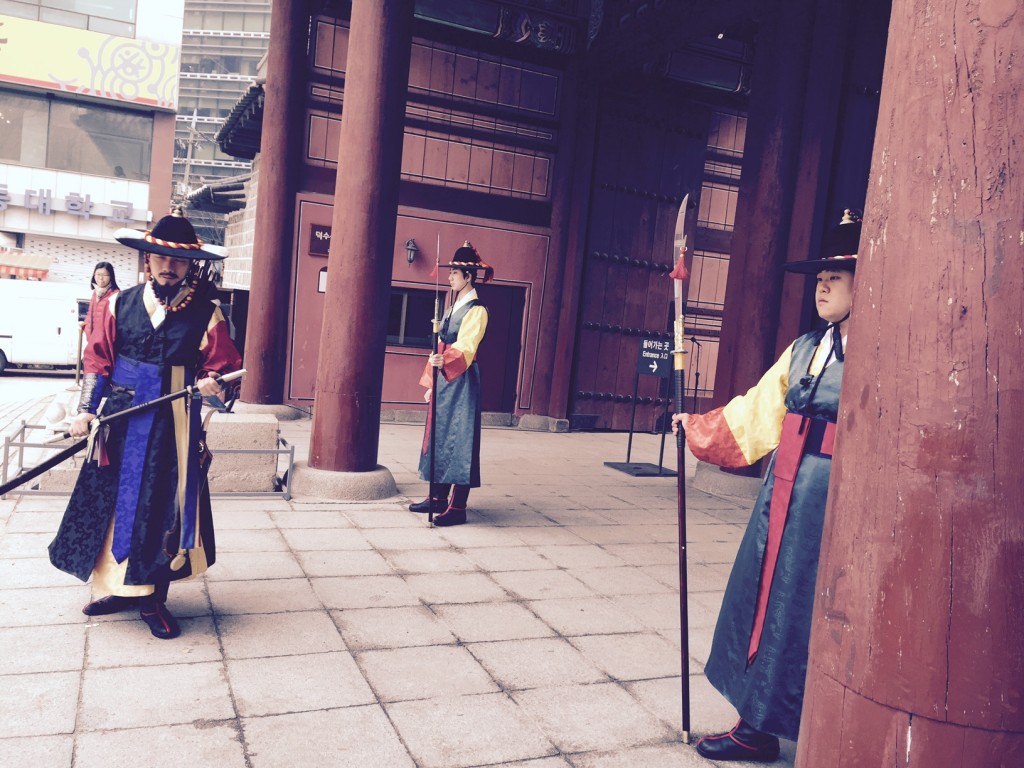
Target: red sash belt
[[800, 435]]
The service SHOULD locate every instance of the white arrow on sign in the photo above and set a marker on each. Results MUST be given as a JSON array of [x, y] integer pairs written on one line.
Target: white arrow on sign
[[653, 366]]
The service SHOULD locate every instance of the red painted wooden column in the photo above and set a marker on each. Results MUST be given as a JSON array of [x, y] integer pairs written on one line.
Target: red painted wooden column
[[917, 642], [346, 418], [766, 199], [279, 163]]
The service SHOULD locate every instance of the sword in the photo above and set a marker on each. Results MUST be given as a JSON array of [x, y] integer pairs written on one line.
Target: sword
[[71, 450]]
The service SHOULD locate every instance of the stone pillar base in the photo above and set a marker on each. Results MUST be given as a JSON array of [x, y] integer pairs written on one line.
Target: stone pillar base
[[534, 423], [342, 486], [282, 412], [711, 479]]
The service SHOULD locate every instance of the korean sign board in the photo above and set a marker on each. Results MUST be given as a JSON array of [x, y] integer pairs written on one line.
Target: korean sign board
[[74, 203], [319, 239], [60, 58], [655, 358]]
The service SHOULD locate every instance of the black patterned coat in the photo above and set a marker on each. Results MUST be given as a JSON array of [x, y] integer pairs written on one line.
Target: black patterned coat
[[195, 338]]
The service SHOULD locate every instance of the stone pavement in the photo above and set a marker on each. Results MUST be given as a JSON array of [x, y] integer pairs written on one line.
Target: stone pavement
[[543, 634]]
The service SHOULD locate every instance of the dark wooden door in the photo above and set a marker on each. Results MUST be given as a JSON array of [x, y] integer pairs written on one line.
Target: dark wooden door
[[649, 152], [501, 348]]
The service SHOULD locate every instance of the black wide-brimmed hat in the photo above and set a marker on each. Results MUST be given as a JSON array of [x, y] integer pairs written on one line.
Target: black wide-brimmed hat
[[838, 251], [174, 236], [467, 258]]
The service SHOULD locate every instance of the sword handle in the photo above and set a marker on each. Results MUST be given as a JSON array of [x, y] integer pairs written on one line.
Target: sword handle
[[227, 378]]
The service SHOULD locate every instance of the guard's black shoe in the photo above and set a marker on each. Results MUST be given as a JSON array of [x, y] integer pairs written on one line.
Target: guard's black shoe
[[743, 742], [424, 506], [450, 516], [110, 604], [159, 620]]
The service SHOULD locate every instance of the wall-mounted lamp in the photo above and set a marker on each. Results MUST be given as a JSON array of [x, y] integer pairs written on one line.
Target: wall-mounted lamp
[[410, 250]]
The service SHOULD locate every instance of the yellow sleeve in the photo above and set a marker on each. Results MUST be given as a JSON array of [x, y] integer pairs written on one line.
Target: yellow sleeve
[[471, 333], [755, 419]]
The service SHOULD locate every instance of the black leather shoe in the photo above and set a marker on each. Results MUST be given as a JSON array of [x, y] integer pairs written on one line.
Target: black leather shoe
[[110, 604], [450, 516], [159, 620], [424, 506], [741, 743]]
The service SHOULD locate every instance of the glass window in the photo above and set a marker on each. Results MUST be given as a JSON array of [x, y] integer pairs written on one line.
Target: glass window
[[93, 139], [111, 27], [234, 21], [22, 10], [23, 120], [409, 318], [121, 10], [255, 22], [64, 18]]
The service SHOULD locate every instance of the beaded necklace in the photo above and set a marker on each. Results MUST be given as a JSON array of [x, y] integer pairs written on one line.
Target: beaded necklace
[[181, 304], [168, 307]]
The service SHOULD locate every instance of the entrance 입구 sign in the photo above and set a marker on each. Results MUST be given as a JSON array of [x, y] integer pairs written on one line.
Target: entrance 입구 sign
[[655, 358]]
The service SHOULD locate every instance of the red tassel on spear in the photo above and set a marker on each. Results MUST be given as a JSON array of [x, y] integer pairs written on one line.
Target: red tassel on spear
[[680, 272]]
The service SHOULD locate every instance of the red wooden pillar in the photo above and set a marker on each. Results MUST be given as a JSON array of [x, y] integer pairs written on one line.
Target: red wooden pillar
[[571, 198], [766, 199], [917, 643], [346, 420], [280, 160]]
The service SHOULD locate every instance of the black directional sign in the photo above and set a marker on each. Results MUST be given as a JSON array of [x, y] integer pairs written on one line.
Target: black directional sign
[[655, 358]]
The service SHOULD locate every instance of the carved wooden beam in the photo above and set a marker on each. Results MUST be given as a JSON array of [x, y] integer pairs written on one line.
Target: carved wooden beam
[[634, 33]]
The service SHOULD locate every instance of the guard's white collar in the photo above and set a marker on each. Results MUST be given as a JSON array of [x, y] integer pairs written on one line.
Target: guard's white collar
[[465, 299]]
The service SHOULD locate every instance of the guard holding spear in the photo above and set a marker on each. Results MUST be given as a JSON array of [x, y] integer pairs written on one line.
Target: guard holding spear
[[451, 446], [139, 516], [758, 658]]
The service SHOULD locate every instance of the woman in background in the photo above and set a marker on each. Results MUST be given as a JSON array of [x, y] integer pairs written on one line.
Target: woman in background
[[104, 285]]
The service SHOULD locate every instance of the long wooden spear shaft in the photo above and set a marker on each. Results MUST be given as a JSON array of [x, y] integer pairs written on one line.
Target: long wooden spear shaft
[[436, 325], [74, 448], [680, 390]]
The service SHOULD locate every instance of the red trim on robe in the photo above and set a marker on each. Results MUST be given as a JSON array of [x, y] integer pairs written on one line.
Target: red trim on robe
[[219, 355], [710, 439], [795, 430], [454, 363], [453, 367], [427, 377]]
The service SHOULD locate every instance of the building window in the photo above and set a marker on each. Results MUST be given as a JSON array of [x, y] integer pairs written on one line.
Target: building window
[[111, 17], [710, 268], [79, 137], [23, 120], [409, 318]]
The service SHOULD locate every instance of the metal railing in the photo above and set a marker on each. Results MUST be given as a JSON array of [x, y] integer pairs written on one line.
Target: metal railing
[[16, 443], [282, 484]]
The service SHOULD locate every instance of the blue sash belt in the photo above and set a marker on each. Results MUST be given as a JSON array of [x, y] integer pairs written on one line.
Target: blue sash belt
[[145, 379]]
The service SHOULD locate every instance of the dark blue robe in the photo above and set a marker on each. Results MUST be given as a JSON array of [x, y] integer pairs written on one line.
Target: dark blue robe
[[458, 418], [769, 693]]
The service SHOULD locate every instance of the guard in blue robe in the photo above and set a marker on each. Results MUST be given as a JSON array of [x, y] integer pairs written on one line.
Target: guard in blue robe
[[455, 412]]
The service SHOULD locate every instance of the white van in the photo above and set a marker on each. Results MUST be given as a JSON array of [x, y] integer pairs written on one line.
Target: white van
[[39, 322]]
